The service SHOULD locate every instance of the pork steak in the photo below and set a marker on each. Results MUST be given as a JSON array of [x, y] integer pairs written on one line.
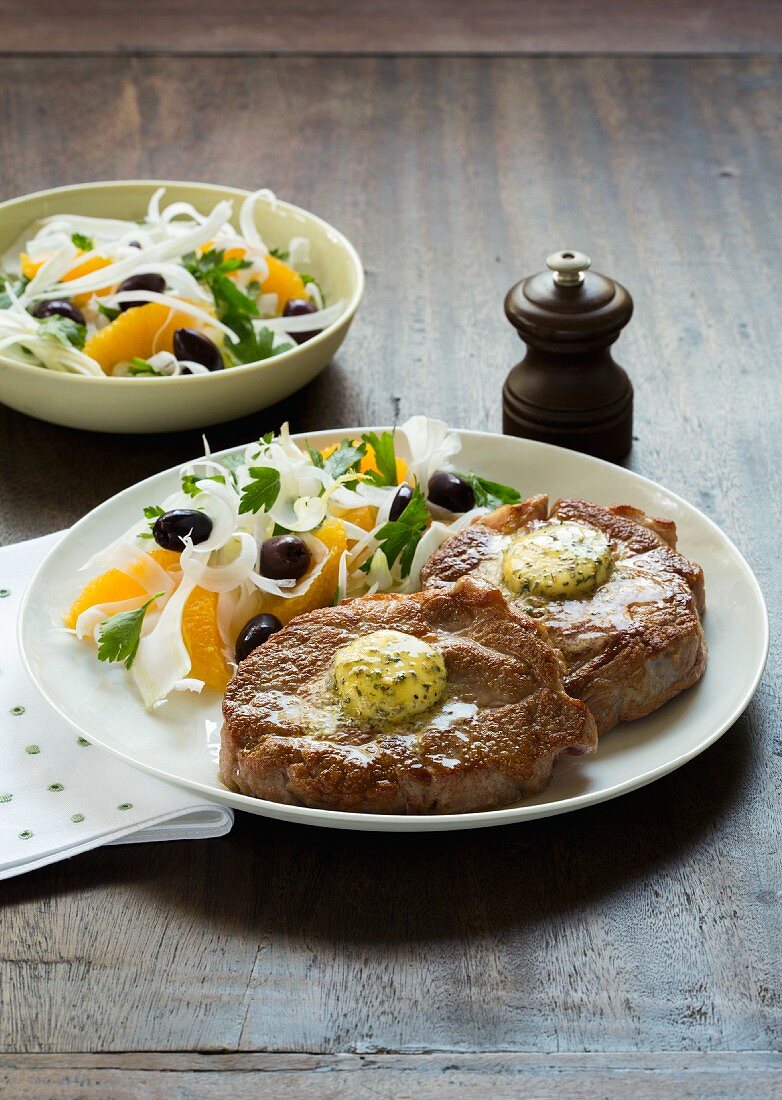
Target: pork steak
[[491, 739], [637, 640]]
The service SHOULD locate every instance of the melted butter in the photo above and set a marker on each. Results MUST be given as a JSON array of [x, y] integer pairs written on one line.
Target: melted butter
[[388, 676], [612, 605], [556, 561]]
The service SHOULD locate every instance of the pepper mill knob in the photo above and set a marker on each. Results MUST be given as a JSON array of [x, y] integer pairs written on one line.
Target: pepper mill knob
[[568, 390], [568, 267]]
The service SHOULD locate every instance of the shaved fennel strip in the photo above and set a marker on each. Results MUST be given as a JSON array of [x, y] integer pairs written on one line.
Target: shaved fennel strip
[[138, 565], [162, 658], [92, 617], [322, 319], [179, 305], [168, 249]]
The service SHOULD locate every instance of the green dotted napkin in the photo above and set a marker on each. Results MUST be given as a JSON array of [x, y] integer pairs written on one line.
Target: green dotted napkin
[[59, 795]]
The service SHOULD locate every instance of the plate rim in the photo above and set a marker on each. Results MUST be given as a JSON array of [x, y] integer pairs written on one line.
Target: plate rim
[[359, 821]]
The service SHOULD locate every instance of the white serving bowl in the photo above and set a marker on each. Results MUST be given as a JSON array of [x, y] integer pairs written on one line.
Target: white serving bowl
[[189, 401]]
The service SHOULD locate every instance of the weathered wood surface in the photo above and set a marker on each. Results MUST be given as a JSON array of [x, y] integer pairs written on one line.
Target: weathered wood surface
[[647, 924], [391, 26], [718, 1076]]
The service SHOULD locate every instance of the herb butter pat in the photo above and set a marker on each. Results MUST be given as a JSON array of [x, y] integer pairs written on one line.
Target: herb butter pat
[[559, 560], [388, 676]]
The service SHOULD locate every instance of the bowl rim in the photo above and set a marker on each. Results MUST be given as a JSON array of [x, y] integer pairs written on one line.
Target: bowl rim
[[259, 364]]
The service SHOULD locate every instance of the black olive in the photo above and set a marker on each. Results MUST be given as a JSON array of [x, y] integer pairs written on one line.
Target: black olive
[[254, 633], [172, 527], [300, 307], [155, 283], [60, 307], [404, 495], [451, 491], [285, 557], [189, 344]]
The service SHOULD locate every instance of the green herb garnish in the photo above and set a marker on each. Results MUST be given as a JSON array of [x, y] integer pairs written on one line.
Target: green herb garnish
[[307, 279], [138, 367], [86, 244], [385, 458], [107, 311], [234, 308], [490, 494], [252, 344], [190, 482], [211, 263], [399, 538], [152, 511], [279, 254], [262, 491], [63, 330], [8, 282], [119, 636]]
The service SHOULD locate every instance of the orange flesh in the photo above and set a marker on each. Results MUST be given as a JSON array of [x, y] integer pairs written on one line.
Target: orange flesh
[[284, 282], [202, 639], [199, 617], [137, 333]]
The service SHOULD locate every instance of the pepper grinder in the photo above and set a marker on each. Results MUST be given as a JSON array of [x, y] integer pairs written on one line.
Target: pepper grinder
[[568, 390]]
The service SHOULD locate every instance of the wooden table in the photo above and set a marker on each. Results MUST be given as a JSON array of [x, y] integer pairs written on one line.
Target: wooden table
[[630, 949]]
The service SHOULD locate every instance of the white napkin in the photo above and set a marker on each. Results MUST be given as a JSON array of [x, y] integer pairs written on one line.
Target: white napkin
[[60, 795]]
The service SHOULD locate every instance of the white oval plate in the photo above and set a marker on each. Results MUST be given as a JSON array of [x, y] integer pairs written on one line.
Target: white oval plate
[[180, 741]]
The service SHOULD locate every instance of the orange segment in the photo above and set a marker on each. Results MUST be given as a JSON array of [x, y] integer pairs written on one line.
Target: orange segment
[[282, 281], [138, 332], [114, 585], [202, 639], [365, 518], [30, 268], [322, 590]]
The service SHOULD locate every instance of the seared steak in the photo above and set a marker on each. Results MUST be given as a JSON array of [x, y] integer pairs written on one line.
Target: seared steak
[[491, 739], [635, 641]]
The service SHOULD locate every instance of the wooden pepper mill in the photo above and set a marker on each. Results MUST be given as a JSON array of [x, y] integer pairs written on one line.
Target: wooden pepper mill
[[568, 390]]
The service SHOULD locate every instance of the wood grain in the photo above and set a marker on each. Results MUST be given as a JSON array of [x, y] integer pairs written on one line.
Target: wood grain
[[391, 26], [648, 924], [720, 1076]]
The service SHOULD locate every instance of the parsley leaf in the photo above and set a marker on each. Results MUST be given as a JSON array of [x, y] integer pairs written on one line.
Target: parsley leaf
[[316, 458], [190, 482], [63, 330], [234, 308], [490, 494], [9, 282], [252, 344], [279, 254], [262, 491], [119, 636], [142, 366], [107, 311], [152, 511], [211, 263], [385, 458], [86, 244], [399, 538], [344, 459], [307, 279]]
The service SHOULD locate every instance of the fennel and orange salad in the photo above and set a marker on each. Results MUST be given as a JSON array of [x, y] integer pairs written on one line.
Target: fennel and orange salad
[[248, 542], [176, 293]]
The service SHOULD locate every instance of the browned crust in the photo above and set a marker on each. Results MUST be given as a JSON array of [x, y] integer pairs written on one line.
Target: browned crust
[[497, 660], [622, 666]]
